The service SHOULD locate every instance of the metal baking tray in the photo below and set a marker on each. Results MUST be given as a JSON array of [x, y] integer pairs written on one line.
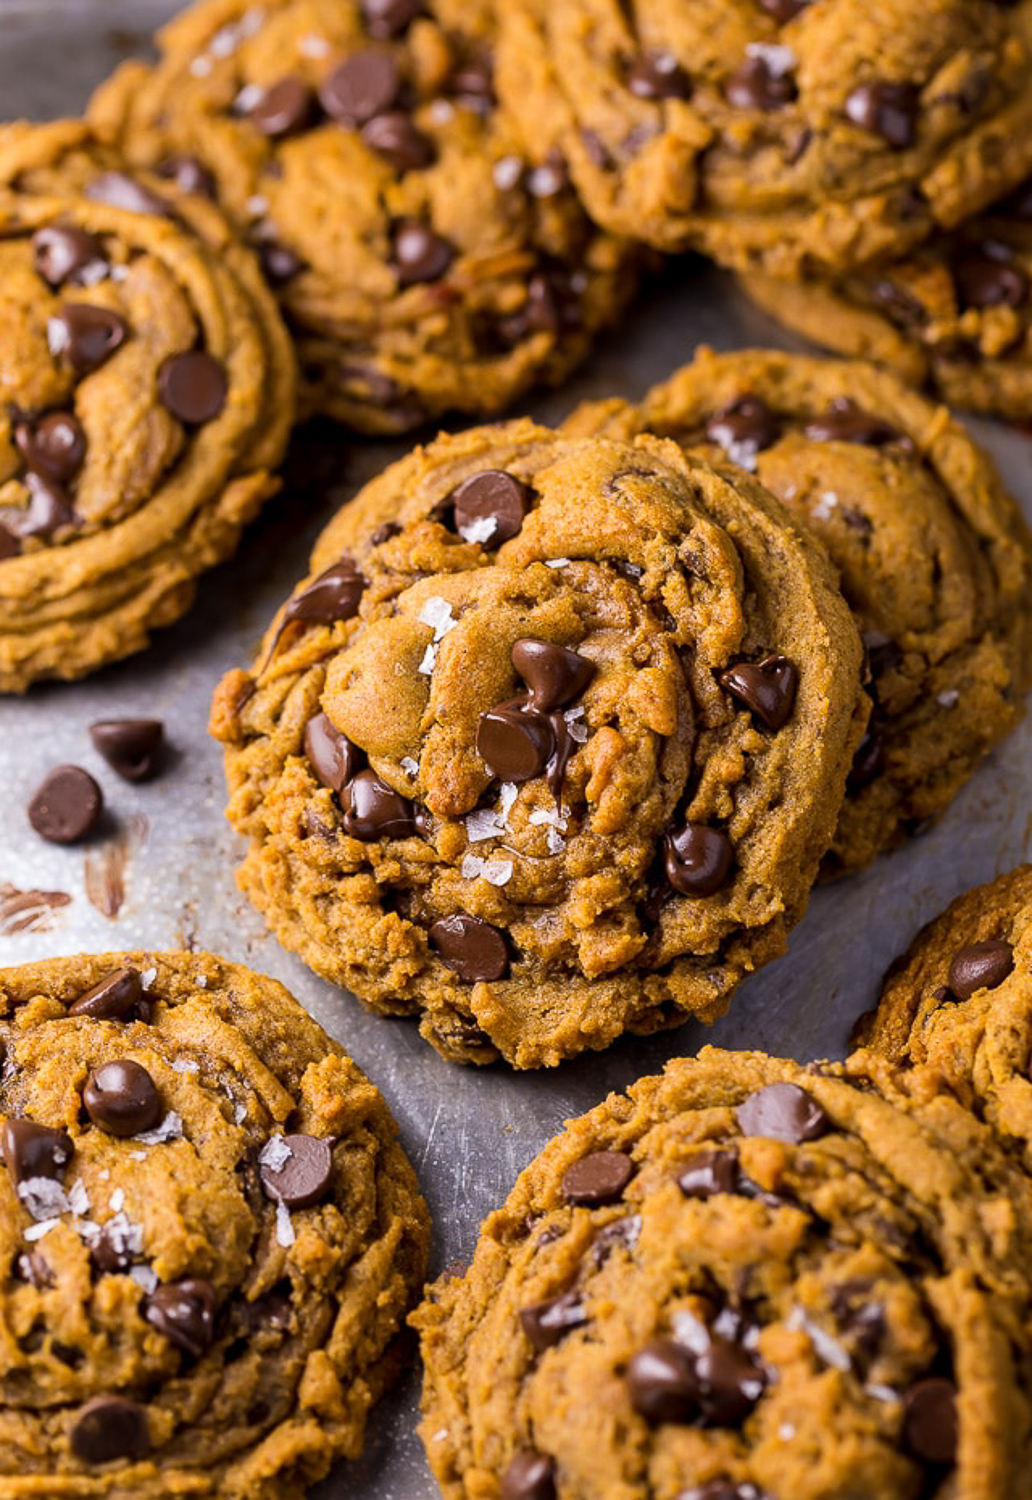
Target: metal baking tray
[[159, 873]]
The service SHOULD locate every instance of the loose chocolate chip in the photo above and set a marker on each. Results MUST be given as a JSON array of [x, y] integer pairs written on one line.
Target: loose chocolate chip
[[598, 1178], [472, 949], [784, 11], [980, 966], [385, 19], [332, 756], [394, 137], [54, 445], [193, 386], [869, 760], [708, 1173], [987, 280], [758, 84], [698, 859], [658, 75], [189, 175], [280, 264], [49, 509], [887, 109], [118, 190], [515, 746], [115, 998], [730, 1383], [744, 428], [63, 253], [184, 1311], [364, 85], [372, 810], [122, 1099], [304, 1177], [767, 687], [530, 1476], [334, 595], [662, 1384], [131, 747], [89, 335], [67, 806], [782, 1112], [930, 1424], [109, 1428], [419, 253], [286, 107], [545, 1323], [32, 1150], [554, 675], [845, 422], [490, 507]]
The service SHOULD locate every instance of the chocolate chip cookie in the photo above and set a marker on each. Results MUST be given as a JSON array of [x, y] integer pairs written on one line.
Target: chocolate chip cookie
[[775, 134], [960, 1001], [744, 1280], [955, 315], [548, 745], [426, 261], [210, 1233], [934, 558], [148, 393]]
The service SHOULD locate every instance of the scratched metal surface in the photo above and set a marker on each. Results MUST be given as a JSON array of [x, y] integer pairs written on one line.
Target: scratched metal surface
[[159, 874]]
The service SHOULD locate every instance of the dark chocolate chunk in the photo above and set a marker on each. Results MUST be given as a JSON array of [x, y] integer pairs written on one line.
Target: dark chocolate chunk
[[32, 1150], [88, 335], [288, 106], [122, 1099], [372, 810], [419, 253], [303, 1177], [886, 109], [394, 137], [63, 253], [598, 1178], [546, 1323], [366, 84], [490, 507], [67, 805], [555, 675], [980, 966], [930, 1423], [184, 1311], [708, 1173], [109, 1428], [472, 948], [332, 756], [193, 386], [662, 1382], [114, 998], [529, 1476], [53, 446], [698, 859], [782, 1112], [658, 75], [766, 687], [131, 747], [744, 428]]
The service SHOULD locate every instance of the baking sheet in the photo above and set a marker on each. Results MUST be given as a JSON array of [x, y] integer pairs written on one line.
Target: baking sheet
[[159, 872]]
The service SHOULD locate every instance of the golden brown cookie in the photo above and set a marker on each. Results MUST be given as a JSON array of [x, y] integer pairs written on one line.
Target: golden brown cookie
[[743, 1280], [148, 393], [934, 558], [955, 314], [775, 133], [548, 745], [210, 1231], [425, 260]]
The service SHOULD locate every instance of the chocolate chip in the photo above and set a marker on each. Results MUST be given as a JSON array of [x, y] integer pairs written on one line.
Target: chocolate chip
[[658, 75], [621, 1234], [62, 253], [372, 810], [980, 966], [184, 1311], [901, 305], [730, 1382], [698, 859], [530, 1476], [304, 1177], [883, 654], [110, 1254], [930, 1422], [108, 1428], [887, 109], [419, 253], [189, 176], [384, 533], [662, 1384], [36, 1270], [766, 687], [708, 1173], [385, 19], [984, 279], [744, 428], [845, 422], [53, 445], [131, 747], [335, 595], [490, 507], [122, 1099], [67, 806], [394, 137], [784, 11], [332, 756], [89, 335], [118, 190], [280, 264], [473, 83], [515, 746], [726, 1489], [550, 177], [49, 509], [472, 949], [555, 675], [193, 386], [32, 1150], [782, 1112], [286, 107], [869, 760], [114, 998], [598, 1178], [364, 85], [759, 84], [545, 1323]]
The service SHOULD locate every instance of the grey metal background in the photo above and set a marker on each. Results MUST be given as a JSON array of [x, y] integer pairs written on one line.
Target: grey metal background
[[167, 846]]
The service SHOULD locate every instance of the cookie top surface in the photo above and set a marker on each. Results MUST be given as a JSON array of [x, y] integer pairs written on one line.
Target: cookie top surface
[[933, 555], [211, 1233], [488, 763], [744, 1279], [425, 260], [782, 134], [148, 387]]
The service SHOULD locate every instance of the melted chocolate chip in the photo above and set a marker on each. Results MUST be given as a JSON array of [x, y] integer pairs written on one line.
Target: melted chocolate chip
[[980, 966], [193, 387], [662, 1383], [67, 806], [744, 428], [658, 75], [530, 1476], [62, 253], [767, 687], [332, 756], [546, 1323], [118, 190], [869, 760], [363, 86], [598, 1178], [304, 1177], [984, 279], [708, 1173], [930, 1423], [472, 949], [385, 19], [490, 507], [372, 810], [49, 509], [114, 998], [394, 137], [288, 106], [514, 745], [419, 253], [189, 176], [886, 109], [757, 84], [108, 1428], [730, 1382], [698, 859], [53, 446], [335, 595], [131, 747], [845, 422], [782, 1112], [554, 675], [184, 1311], [89, 335], [122, 1099], [32, 1150]]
